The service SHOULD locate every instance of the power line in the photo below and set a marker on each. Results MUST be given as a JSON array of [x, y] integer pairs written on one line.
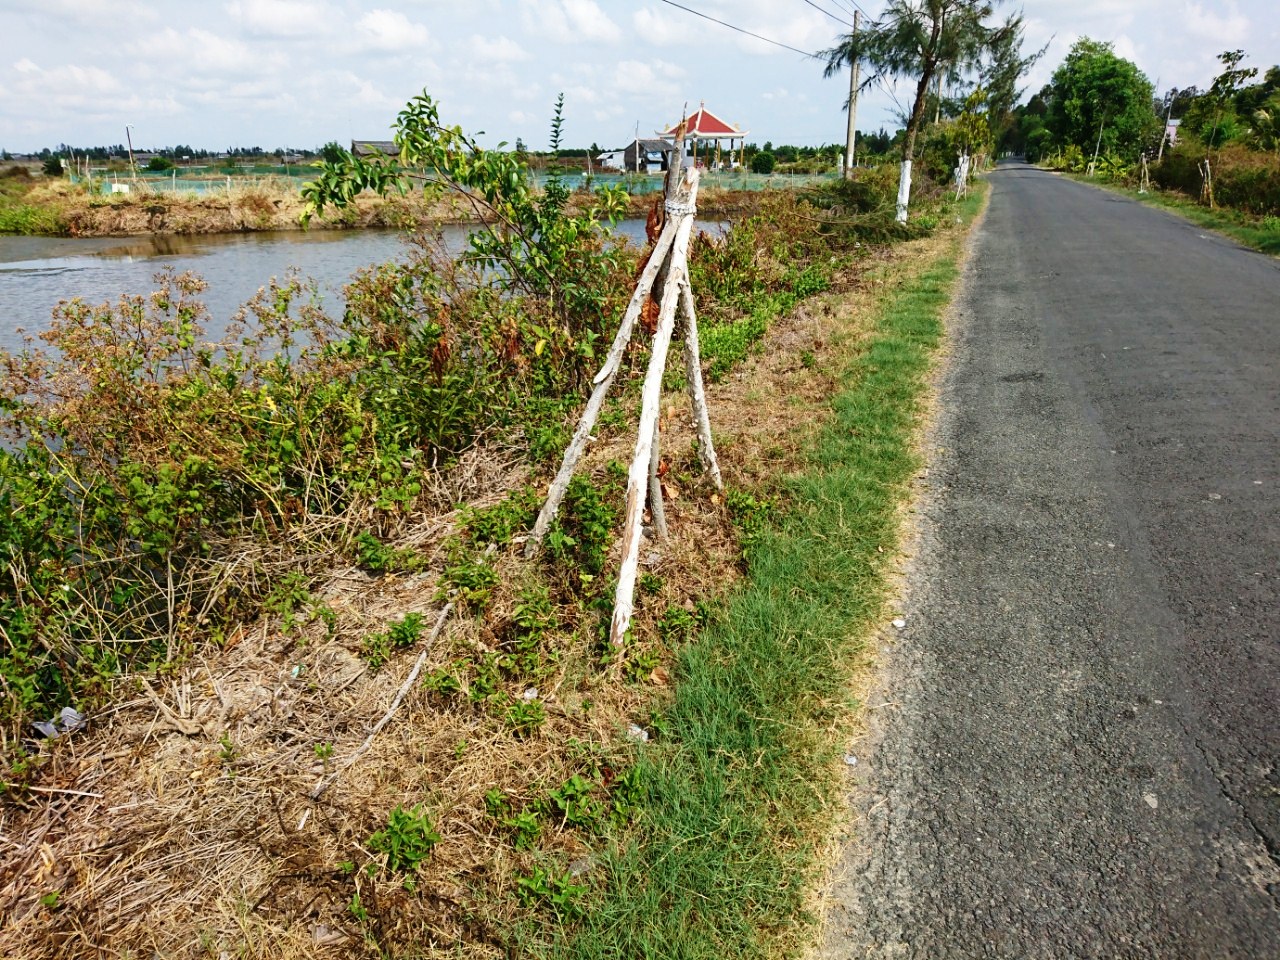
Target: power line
[[776, 43], [824, 10]]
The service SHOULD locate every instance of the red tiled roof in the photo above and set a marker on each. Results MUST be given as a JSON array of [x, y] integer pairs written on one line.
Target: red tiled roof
[[706, 124]]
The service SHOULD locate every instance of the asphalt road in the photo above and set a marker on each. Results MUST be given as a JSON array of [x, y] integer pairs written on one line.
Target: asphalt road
[[1078, 755]]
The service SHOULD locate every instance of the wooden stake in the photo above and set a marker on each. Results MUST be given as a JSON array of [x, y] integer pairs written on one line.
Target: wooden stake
[[697, 392], [603, 381], [637, 476]]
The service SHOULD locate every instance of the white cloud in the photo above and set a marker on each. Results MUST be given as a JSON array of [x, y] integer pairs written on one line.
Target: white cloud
[[498, 49], [195, 52], [281, 18], [1226, 29], [392, 31], [569, 21]]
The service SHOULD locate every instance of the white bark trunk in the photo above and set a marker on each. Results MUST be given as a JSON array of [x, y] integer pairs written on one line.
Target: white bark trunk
[[657, 511], [904, 190]]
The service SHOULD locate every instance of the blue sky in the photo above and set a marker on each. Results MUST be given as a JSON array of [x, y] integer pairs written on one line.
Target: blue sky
[[225, 73]]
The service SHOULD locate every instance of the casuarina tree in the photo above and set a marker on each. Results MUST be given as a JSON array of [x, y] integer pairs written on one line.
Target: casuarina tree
[[925, 40]]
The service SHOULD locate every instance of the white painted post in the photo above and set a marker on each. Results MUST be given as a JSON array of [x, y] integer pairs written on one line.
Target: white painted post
[[904, 190]]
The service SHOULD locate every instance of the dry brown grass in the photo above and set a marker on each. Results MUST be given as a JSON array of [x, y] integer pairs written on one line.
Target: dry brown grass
[[180, 823]]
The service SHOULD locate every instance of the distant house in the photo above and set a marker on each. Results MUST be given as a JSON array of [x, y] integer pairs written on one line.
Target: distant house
[[367, 148], [645, 156], [1171, 131], [611, 160]]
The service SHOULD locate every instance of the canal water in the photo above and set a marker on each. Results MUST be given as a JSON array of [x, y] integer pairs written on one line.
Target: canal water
[[36, 273]]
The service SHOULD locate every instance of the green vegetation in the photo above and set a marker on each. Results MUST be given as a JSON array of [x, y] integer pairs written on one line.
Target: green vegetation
[[1228, 149], [731, 817], [17, 214], [158, 491], [946, 40], [405, 841], [1100, 97]]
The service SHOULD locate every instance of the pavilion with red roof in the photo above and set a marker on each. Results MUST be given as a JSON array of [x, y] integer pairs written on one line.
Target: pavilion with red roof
[[703, 129]]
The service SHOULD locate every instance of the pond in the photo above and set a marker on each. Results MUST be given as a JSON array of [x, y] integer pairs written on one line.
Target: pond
[[36, 273]]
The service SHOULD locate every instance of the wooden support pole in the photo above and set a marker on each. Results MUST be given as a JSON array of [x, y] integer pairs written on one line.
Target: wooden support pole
[[697, 392], [638, 475], [603, 381]]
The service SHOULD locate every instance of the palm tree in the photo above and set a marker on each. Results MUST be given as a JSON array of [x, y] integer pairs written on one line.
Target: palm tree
[[923, 39]]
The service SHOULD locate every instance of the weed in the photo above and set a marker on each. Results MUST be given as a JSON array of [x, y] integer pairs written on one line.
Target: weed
[[357, 909], [524, 717], [649, 583], [641, 664], [401, 634], [751, 516], [406, 840], [486, 681], [525, 828], [572, 802], [228, 752], [376, 650], [469, 580], [559, 893], [677, 625], [376, 557], [406, 631], [499, 523], [323, 752], [579, 539], [442, 682]]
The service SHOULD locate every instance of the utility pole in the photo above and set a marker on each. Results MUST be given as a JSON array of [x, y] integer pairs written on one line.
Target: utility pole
[[133, 169], [1098, 145], [852, 134], [1164, 134]]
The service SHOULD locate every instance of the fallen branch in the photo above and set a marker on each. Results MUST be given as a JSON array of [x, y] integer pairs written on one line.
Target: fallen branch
[[328, 781]]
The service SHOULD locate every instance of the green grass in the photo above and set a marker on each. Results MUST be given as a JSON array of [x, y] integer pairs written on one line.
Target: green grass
[[738, 792], [1257, 234]]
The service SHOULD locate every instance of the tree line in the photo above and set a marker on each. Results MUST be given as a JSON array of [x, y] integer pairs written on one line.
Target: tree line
[[1099, 103]]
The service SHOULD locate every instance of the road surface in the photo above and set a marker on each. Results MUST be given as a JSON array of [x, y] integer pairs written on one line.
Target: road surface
[[1079, 753]]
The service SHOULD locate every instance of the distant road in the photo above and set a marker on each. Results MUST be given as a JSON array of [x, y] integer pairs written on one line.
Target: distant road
[[1083, 758]]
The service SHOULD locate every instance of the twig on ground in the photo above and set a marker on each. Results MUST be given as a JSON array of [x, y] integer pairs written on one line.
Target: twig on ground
[[328, 781]]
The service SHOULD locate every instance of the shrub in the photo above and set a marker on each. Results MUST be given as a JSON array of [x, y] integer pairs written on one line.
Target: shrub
[[1244, 179]]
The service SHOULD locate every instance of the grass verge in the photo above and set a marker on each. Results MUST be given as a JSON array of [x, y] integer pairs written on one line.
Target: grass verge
[[1262, 234], [741, 786]]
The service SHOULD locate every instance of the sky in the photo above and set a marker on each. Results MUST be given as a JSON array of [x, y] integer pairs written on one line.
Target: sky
[[218, 74]]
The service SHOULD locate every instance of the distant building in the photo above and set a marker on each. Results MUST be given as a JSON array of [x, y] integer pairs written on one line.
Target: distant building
[[1171, 131], [611, 160], [639, 156], [367, 148], [703, 131]]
